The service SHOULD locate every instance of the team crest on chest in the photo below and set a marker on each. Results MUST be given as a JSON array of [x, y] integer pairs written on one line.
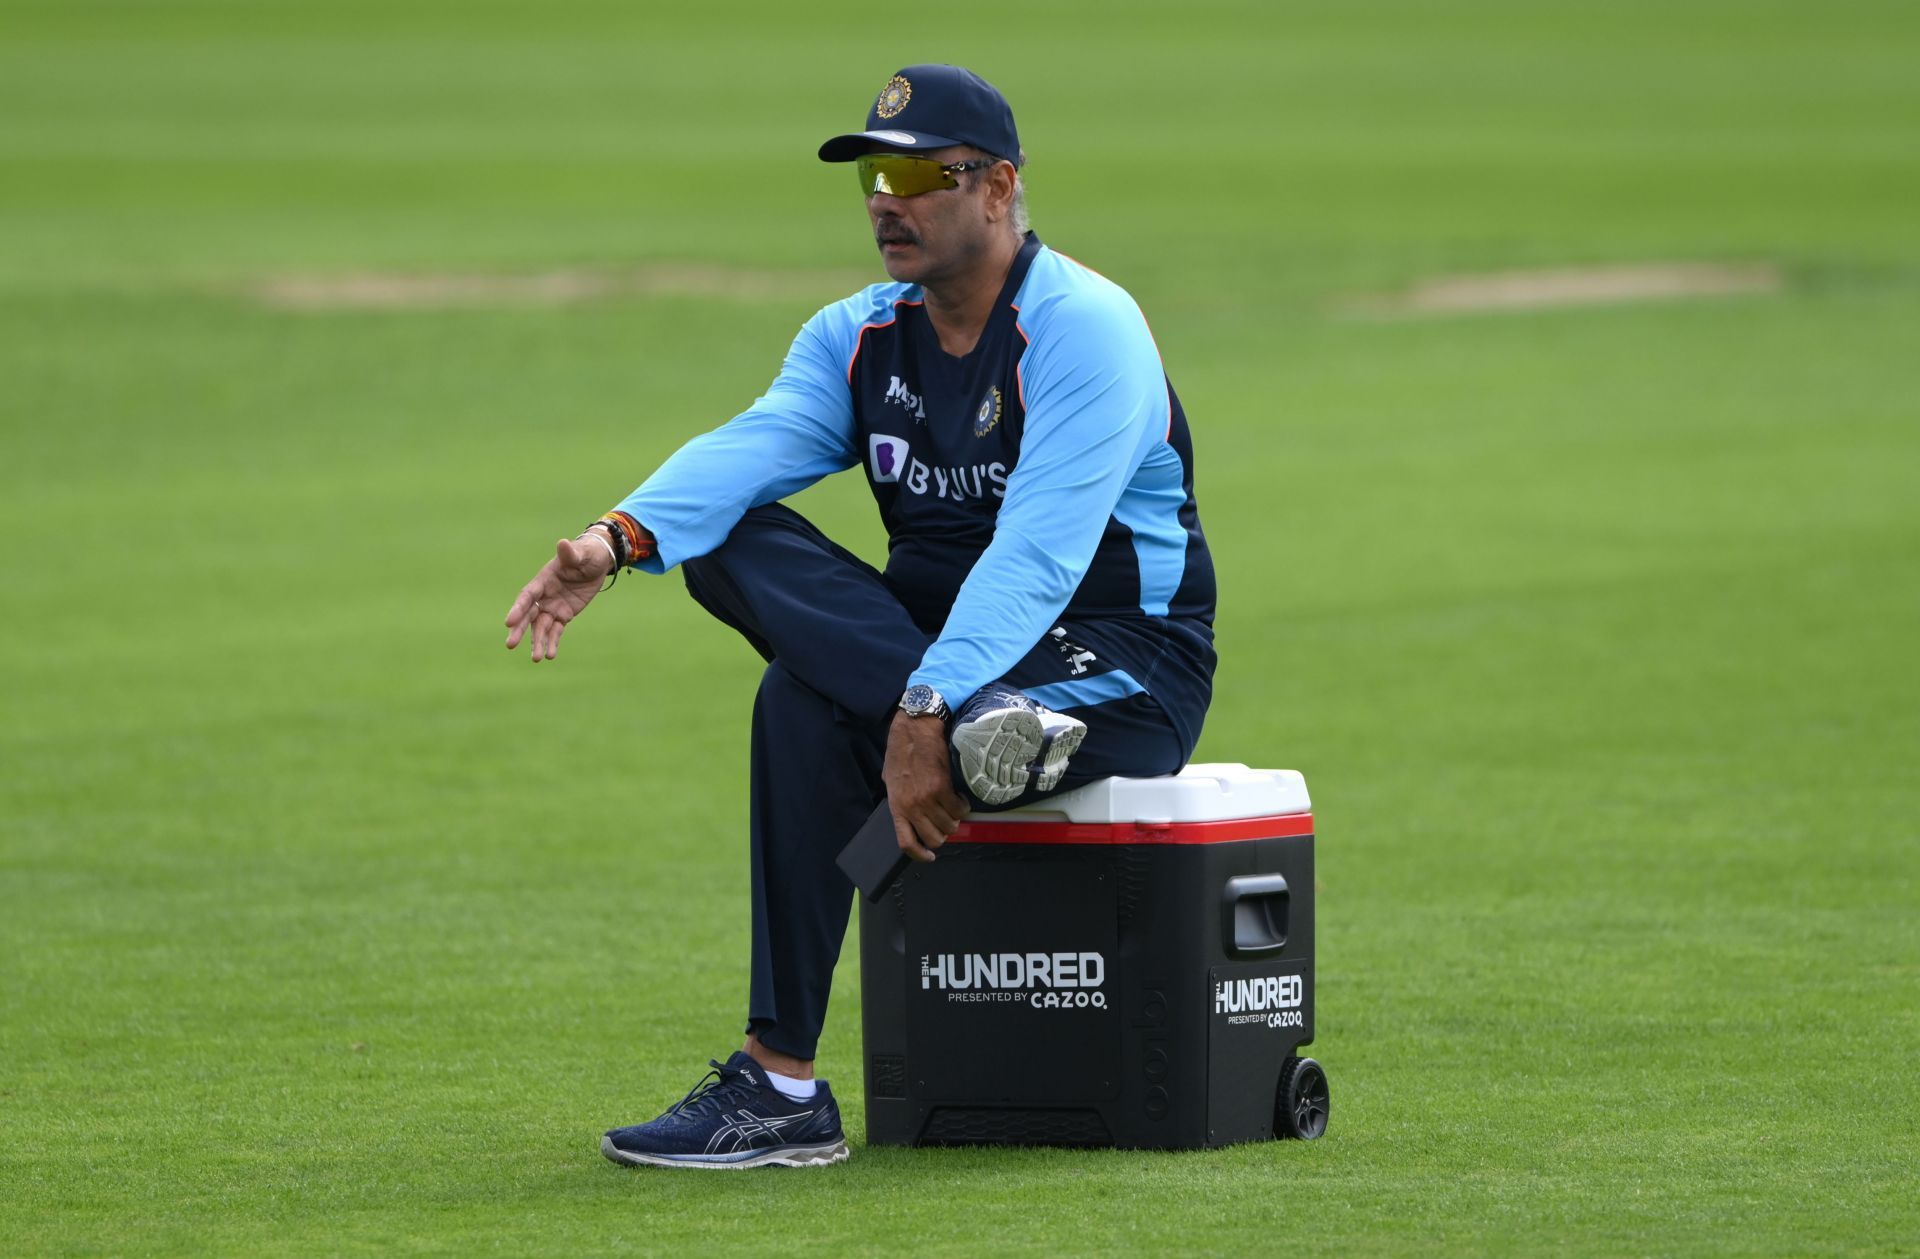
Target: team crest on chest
[[893, 97], [988, 415]]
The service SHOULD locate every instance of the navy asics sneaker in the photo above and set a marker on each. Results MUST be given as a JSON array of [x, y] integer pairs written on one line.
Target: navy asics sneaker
[[735, 1117], [1005, 742]]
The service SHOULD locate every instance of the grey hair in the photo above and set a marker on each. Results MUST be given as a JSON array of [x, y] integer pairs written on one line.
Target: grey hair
[[1017, 215]]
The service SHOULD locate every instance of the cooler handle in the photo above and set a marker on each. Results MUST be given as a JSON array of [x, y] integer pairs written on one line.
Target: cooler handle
[[1255, 917]]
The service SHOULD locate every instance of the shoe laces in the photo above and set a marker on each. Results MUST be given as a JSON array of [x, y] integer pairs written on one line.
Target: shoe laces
[[995, 698], [721, 1085]]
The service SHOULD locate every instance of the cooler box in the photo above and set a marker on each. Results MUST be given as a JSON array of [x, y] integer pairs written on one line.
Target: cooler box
[[1129, 963]]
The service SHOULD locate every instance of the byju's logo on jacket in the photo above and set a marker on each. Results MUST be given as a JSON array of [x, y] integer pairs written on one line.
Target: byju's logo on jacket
[[886, 457], [890, 460]]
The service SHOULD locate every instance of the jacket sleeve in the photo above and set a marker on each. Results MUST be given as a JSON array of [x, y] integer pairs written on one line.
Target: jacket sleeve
[[1096, 405], [799, 431]]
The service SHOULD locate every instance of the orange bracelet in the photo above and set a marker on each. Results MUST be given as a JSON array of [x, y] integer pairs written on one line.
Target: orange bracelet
[[640, 542]]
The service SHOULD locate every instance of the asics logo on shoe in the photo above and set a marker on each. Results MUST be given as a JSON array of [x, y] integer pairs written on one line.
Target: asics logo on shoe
[[732, 1120], [743, 1130]]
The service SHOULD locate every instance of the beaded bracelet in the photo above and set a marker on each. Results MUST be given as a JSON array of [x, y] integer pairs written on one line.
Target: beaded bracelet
[[640, 544], [615, 540]]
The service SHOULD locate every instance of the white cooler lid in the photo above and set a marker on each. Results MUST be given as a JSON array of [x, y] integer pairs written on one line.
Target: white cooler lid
[[1198, 793]]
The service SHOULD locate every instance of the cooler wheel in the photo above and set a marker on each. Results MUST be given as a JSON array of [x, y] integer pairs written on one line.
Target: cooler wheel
[[1304, 1104]]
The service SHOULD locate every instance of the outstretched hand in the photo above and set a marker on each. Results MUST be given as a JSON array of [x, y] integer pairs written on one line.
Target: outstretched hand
[[562, 588], [919, 780]]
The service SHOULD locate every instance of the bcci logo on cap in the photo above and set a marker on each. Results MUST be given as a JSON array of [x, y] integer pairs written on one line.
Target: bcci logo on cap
[[893, 97]]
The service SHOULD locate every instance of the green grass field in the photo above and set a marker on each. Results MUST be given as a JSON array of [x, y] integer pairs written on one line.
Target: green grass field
[[326, 926]]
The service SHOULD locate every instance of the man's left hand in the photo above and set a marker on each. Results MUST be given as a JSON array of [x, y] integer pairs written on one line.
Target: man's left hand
[[920, 785]]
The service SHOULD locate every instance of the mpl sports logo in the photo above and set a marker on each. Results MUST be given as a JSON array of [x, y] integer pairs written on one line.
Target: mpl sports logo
[[898, 392], [1044, 981], [1267, 1000]]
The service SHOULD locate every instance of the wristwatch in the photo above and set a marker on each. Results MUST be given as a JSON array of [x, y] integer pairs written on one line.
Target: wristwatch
[[923, 701]]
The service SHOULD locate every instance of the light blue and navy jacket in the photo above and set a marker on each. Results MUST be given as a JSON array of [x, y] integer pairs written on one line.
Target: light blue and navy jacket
[[1045, 477]]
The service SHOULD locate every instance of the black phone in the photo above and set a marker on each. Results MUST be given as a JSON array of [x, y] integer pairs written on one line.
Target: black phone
[[872, 858]]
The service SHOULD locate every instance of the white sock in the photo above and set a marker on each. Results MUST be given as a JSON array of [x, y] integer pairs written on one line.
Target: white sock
[[797, 1089]]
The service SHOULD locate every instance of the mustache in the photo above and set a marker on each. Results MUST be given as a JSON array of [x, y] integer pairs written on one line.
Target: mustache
[[891, 231]]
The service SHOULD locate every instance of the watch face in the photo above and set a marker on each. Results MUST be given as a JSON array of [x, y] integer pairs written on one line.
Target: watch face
[[918, 699]]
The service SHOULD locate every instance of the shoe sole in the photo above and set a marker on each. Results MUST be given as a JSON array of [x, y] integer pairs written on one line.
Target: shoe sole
[[996, 752], [1007, 750], [785, 1156], [1056, 752]]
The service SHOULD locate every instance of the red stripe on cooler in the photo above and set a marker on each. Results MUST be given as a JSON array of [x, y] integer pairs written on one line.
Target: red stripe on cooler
[[1220, 832]]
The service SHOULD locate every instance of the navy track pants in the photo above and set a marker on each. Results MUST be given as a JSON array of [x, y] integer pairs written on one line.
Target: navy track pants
[[839, 646]]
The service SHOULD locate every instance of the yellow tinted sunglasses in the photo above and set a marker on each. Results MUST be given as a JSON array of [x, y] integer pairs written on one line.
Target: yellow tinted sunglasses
[[905, 175]]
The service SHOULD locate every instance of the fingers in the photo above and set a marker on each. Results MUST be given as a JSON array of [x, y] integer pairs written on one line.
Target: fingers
[[526, 622], [945, 811], [933, 824], [526, 604], [547, 629], [903, 834], [521, 612], [524, 617], [920, 827], [538, 642], [528, 617]]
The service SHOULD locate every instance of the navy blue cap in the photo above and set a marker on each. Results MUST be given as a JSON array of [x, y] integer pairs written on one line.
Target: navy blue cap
[[933, 107]]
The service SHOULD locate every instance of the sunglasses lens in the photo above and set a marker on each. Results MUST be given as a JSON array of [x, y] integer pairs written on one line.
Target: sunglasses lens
[[900, 175]]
